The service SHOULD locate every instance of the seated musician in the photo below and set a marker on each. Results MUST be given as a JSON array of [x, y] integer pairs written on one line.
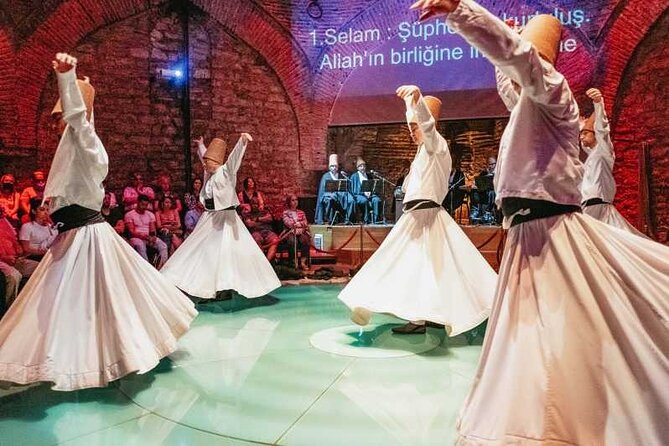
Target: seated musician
[[334, 205], [368, 204], [483, 196], [456, 190]]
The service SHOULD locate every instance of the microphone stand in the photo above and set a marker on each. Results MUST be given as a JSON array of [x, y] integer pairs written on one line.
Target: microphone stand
[[383, 185], [335, 199]]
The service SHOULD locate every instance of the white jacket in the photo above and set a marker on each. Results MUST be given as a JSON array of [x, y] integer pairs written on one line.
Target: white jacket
[[222, 183], [538, 154]]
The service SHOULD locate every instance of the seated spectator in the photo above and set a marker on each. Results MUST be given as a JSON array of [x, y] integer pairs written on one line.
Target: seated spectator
[[141, 224], [9, 199], [12, 264], [259, 221], [193, 197], [192, 217], [131, 193], [164, 189], [38, 234], [113, 215], [248, 193], [36, 191], [168, 223], [112, 197], [295, 220]]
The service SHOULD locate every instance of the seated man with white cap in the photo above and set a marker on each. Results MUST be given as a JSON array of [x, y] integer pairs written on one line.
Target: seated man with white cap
[[330, 206]]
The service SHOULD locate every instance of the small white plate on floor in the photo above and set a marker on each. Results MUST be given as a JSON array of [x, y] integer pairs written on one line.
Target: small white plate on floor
[[372, 341]]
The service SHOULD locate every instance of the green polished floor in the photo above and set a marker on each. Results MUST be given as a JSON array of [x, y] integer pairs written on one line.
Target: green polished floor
[[246, 374]]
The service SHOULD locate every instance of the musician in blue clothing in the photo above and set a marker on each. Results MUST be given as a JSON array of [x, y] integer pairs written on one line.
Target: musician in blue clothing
[[368, 203], [334, 205]]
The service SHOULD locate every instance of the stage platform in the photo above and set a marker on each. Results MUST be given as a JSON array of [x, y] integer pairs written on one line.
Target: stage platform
[[344, 242], [247, 374]]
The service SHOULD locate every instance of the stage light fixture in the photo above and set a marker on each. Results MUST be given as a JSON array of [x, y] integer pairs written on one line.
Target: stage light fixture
[[169, 73]]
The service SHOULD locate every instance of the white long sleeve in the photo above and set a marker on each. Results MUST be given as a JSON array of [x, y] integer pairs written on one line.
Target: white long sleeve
[[222, 183], [506, 90], [602, 128], [235, 158], [598, 181], [201, 150], [80, 164], [428, 176], [538, 155]]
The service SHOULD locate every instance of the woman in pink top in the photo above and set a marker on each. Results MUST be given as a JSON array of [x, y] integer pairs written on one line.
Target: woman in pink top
[[131, 193], [9, 199], [295, 221], [168, 224]]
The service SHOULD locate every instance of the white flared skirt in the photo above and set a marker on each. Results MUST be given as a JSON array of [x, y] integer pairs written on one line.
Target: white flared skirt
[[577, 345], [610, 215], [426, 269], [92, 312], [220, 255]]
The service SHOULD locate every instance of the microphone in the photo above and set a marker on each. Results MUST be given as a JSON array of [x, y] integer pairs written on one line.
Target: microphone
[[374, 172], [342, 173]]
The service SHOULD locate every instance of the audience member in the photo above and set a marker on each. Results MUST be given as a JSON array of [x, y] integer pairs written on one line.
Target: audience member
[[131, 193], [12, 264], [113, 203], [164, 189], [168, 223], [192, 217], [38, 234], [35, 191], [9, 199], [259, 221], [193, 197], [113, 215], [295, 220], [141, 224], [248, 193]]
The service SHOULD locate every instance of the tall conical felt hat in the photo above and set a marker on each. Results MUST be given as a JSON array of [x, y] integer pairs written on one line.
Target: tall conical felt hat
[[543, 31], [333, 160], [216, 150], [434, 105], [87, 92], [359, 161]]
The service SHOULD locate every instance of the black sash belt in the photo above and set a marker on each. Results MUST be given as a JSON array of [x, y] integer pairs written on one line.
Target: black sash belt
[[593, 201], [537, 209], [416, 205], [210, 206], [75, 216]]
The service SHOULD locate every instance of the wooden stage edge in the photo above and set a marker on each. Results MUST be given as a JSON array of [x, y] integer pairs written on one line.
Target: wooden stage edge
[[345, 241]]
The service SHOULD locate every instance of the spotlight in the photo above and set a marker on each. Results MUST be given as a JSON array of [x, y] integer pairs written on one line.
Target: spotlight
[[169, 73]]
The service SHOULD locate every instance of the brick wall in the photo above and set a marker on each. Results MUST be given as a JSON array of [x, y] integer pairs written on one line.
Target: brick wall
[[139, 115], [640, 116]]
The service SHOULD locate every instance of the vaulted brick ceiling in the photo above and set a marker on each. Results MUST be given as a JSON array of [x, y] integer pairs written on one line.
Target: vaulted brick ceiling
[[24, 16]]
